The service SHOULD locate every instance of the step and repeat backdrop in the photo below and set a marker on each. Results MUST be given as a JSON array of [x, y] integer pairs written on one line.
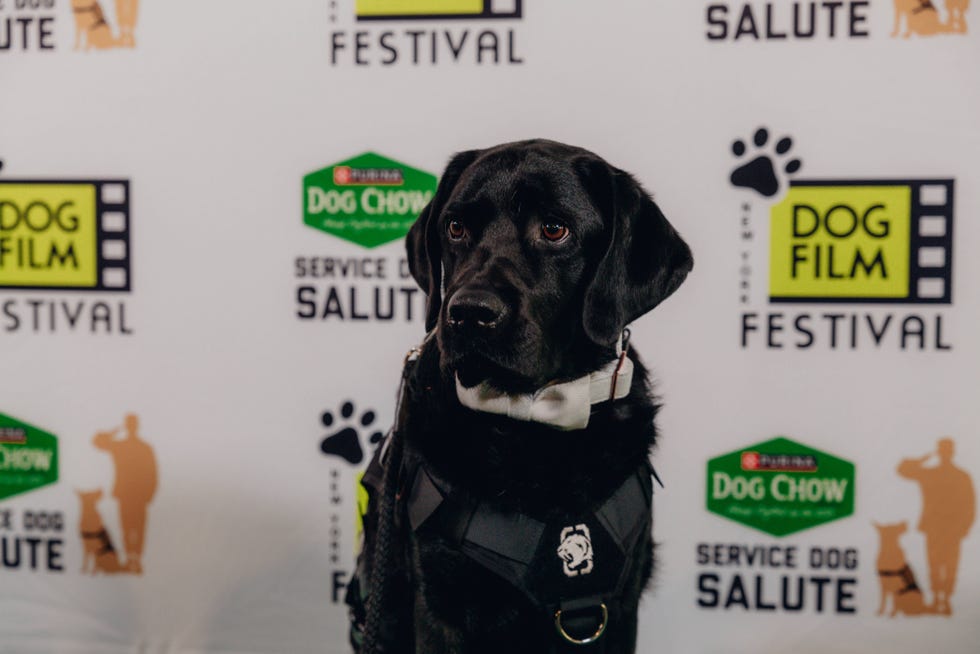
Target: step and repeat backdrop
[[205, 302]]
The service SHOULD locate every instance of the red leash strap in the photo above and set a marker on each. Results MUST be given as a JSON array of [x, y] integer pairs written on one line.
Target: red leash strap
[[619, 366]]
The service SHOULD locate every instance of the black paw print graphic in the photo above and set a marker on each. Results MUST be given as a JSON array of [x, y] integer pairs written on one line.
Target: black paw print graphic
[[759, 172], [346, 442]]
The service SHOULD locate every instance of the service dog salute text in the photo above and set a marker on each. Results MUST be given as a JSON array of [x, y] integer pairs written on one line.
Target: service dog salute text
[[783, 578], [381, 298], [31, 540]]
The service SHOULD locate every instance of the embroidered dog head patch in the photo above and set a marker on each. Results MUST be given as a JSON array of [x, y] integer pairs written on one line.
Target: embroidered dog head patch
[[575, 550]]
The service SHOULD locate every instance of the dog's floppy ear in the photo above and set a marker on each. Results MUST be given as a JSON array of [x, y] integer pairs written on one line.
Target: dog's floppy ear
[[424, 239], [645, 258]]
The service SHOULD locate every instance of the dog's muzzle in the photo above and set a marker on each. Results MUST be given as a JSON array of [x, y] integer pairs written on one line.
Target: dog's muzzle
[[476, 312]]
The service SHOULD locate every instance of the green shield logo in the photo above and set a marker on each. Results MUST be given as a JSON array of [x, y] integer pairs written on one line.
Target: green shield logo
[[28, 457], [369, 200], [780, 487]]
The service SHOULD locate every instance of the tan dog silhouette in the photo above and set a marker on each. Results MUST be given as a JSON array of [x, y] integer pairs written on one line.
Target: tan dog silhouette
[[920, 16], [99, 554], [91, 28], [895, 574]]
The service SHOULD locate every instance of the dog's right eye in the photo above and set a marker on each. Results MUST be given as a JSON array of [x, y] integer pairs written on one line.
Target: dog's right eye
[[456, 230], [554, 231]]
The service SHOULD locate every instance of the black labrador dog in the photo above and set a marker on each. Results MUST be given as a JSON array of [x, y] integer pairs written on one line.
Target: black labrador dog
[[510, 509]]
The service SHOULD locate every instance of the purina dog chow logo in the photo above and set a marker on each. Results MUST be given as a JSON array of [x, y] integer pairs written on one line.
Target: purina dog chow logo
[[425, 32], [44, 25], [851, 242], [755, 21], [780, 487], [64, 235], [28, 457], [371, 201], [30, 538]]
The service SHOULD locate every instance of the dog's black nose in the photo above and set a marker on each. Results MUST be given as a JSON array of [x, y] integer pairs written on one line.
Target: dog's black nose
[[477, 310]]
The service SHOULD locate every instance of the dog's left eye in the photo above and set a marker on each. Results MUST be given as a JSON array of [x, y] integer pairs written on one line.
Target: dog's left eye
[[456, 230], [554, 231]]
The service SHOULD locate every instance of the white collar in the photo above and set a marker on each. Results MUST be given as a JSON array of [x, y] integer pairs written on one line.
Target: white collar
[[565, 406]]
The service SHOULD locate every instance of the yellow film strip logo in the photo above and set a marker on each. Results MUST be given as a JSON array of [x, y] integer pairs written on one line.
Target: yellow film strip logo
[[71, 234], [437, 9], [863, 241]]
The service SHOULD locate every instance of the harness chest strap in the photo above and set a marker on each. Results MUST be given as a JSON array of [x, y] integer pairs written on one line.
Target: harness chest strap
[[527, 553], [508, 544], [906, 574], [103, 538]]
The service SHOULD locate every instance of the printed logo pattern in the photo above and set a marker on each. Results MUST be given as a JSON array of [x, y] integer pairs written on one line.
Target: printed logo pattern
[[92, 30], [33, 25], [470, 32], [71, 234], [28, 457], [841, 241], [350, 440], [134, 488], [849, 19], [780, 487], [759, 172], [948, 513], [369, 200], [575, 550], [863, 241], [920, 17], [436, 9]]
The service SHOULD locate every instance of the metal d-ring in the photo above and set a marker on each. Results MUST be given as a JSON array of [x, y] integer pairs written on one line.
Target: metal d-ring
[[584, 641]]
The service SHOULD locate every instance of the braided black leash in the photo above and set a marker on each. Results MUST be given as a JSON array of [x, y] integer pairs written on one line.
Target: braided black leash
[[384, 547], [382, 559]]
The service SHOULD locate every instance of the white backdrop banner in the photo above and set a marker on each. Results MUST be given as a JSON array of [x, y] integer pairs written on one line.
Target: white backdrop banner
[[205, 302]]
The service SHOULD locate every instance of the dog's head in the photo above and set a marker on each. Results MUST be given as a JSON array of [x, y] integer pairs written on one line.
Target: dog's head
[[534, 257], [891, 531], [89, 497]]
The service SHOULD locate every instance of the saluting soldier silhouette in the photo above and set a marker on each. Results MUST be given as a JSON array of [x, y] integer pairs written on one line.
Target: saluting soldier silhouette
[[126, 12], [948, 511], [136, 483]]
